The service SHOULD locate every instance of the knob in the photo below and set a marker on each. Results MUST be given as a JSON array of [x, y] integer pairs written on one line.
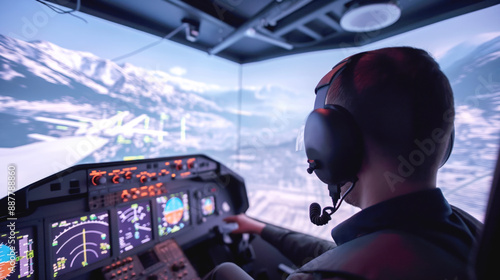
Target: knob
[[128, 175], [176, 267], [127, 195], [99, 180], [118, 179], [145, 179]]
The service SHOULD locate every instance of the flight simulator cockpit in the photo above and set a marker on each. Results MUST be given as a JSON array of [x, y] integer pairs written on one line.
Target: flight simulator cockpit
[[121, 118]]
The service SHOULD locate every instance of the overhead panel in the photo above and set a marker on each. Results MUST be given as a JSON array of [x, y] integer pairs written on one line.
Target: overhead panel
[[252, 30]]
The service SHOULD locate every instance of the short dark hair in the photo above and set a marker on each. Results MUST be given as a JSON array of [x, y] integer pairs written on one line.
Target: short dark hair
[[398, 96]]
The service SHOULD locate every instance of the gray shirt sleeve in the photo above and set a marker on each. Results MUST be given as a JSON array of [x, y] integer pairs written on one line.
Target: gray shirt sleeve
[[300, 248]]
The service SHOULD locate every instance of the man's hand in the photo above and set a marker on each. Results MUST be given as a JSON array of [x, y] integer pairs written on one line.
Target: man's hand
[[245, 224]]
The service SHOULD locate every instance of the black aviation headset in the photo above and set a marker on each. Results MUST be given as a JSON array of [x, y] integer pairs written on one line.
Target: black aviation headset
[[334, 144]]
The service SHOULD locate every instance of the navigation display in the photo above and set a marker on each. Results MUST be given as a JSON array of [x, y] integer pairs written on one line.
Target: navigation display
[[17, 254], [208, 205], [134, 225], [173, 212], [78, 242]]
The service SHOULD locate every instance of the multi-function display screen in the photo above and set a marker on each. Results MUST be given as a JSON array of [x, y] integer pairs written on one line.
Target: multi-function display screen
[[207, 205], [134, 225], [79, 241], [173, 213], [17, 252]]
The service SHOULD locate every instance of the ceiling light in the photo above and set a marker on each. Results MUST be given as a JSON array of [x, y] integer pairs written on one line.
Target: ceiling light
[[370, 16]]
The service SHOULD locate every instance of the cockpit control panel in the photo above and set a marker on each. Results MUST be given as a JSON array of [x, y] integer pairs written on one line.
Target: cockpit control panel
[[117, 220]]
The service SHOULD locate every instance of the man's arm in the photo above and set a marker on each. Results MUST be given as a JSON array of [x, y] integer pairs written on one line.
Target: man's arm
[[298, 247]]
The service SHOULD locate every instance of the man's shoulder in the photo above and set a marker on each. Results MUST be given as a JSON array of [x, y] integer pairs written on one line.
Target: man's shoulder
[[391, 254]]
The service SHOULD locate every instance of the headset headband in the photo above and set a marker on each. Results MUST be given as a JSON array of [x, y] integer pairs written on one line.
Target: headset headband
[[324, 84]]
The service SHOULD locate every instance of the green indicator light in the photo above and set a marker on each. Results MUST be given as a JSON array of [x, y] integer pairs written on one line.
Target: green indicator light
[[121, 140], [61, 127], [133, 157]]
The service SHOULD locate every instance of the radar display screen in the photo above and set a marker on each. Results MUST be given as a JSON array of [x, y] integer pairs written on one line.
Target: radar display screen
[[134, 225], [17, 253], [173, 213], [207, 205], [78, 242]]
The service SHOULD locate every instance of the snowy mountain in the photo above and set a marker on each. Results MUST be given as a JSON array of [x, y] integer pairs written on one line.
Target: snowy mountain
[[48, 92], [151, 90]]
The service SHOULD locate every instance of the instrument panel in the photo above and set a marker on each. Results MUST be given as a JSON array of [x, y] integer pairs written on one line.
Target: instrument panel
[[75, 223]]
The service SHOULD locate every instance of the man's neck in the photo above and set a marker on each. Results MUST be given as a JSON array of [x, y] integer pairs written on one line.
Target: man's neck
[[375, 188]]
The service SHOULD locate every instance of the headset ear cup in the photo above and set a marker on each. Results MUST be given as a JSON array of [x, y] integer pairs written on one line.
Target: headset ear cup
[[333, 140], [449, 148]]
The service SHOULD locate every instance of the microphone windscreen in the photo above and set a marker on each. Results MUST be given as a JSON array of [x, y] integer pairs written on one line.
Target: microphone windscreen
[[314, 212]]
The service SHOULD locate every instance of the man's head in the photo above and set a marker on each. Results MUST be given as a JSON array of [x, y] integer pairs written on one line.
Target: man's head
[[403, 104]]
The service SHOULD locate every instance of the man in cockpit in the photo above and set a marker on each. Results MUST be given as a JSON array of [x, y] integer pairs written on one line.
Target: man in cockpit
[[403, 105]]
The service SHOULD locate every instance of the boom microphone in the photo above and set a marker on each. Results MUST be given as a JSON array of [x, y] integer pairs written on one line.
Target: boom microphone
[[321, 218], [315, 214]]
